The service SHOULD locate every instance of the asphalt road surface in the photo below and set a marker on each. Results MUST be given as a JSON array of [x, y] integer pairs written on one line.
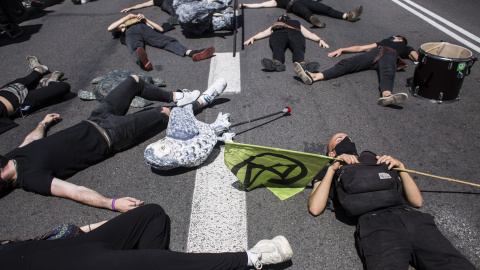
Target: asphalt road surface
[[440, 139]]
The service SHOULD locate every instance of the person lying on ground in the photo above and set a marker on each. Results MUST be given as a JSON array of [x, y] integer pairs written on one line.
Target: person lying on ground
[[21, 96], [41, 162], [391, 233], [138, 239], [136, 31], [287, 33], [385, 57], [307, 8]]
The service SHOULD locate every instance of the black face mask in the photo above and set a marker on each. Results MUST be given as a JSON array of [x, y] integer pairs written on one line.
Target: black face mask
[[3, 161], [346, 146]]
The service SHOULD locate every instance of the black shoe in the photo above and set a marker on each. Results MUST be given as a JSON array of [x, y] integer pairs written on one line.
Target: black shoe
[[310, 66], [353, 15], [316, 22], [271, 65]]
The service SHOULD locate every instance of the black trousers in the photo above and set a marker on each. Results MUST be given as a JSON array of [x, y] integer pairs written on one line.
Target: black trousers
[[36, 97], [394, 237], [125, 129], [140, 34], [282, 39], [306, 9], [137, 239], [386, 67]]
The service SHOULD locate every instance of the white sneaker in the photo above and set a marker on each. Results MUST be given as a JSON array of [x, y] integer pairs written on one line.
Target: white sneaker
[[214, 90], [188, 97], [394, 99], [273, 251]]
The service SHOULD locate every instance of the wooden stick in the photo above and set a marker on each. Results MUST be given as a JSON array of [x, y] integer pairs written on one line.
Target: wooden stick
[[433, 48], [439, 177], [426, 174]]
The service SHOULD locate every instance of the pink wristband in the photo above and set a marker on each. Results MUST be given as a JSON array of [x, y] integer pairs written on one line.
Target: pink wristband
[[113, 204]]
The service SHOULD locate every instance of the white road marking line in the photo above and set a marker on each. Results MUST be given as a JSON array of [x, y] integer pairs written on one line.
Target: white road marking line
[[226, 66], [438, 26], [445, 21], [218, 220]]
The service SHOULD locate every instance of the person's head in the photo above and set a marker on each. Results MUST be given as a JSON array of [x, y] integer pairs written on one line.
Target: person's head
[[341, 143], [4, 183], [284, 17], [398, 38]]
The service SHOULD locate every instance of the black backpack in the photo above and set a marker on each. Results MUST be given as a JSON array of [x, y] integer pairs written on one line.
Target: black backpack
[[362, 188]]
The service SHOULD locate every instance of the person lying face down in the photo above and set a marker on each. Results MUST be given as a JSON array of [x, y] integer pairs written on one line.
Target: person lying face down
[[41, 162], [391, 233]]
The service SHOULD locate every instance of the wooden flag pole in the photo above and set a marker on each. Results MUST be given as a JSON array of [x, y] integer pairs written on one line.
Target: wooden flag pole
[[426, 174]]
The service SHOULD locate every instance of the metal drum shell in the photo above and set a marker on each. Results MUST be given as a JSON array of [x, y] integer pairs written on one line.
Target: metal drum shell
[[439, 78]]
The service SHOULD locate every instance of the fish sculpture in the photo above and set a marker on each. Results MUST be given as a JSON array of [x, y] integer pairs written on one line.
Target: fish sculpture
[[189, 142]]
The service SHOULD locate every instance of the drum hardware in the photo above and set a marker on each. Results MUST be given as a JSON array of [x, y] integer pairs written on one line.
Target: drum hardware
[[450, 65], [416, 90], [440, 97], [460, 75]]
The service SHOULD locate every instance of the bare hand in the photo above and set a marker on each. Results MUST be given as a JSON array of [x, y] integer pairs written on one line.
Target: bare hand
[[323, 44], [125, 10], [241, 5], [336, 53], [51, 118], [140, 16], [390, 161], [249, 41], [127, 203], [348, 159]]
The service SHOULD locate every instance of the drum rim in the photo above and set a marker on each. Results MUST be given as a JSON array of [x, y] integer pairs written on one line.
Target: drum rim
[[446, 58]]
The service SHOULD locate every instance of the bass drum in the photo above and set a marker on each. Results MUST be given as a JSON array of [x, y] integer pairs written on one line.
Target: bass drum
[[440, 71]]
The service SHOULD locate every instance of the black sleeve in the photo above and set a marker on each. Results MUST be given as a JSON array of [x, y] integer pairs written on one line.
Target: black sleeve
[[320, 175]]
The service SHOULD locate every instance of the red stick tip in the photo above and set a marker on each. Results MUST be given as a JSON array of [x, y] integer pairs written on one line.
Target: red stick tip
[[289, 110]]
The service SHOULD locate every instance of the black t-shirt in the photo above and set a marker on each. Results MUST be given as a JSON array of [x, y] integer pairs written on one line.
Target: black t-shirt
[[59, 155], [402, 49], [165, 5]]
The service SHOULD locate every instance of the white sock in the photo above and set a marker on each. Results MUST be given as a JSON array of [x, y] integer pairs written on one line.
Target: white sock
[[249, 254], [206, 99], [178, 96]]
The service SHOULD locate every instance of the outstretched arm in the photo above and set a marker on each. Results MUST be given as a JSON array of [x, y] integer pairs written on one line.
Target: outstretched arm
[[139, 6], [319, 196], [353, 49], [258, 36], [116, 26], [41, 130], [271, 3], [411, 193], [306, 33], [87, 196]]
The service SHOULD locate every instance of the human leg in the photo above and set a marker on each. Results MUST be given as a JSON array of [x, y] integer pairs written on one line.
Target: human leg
[[322, 9], [145, 227], [38, 97], [432, 249], [361, 62], [30, 81], [300, 8], [297, 44], [278, 43], [386, 68], [159, 40], [118, 101], [382, 241]]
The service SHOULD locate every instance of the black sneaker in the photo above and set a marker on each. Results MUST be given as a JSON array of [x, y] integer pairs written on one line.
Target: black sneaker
[[311, 66], [316, 22], [271, 65]]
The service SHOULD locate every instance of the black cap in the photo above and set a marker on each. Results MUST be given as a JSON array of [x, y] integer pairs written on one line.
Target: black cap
[[3, 161]]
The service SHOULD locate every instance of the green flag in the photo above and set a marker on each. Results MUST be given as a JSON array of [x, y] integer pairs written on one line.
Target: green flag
[[283, 172]]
